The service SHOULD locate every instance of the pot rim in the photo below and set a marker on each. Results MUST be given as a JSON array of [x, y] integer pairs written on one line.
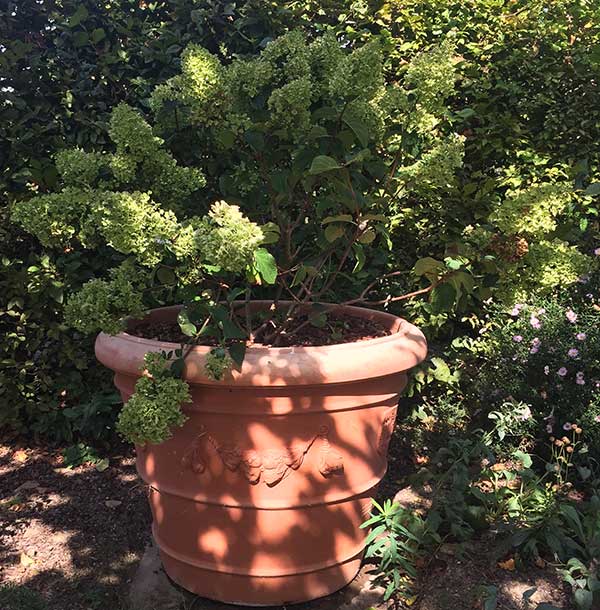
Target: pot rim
[[399, 327], [265, 366]]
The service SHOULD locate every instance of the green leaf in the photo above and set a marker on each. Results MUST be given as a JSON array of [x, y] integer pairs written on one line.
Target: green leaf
[[584, 599], [443, 297], [80, 39], [367, 237], [524, 458], [231, 330], [97, 35], [319, 320], [338, 218], [333, 232], [265, 265], [237, 351], [166, 276], [360, 129], [187, 327], [81, 14], [359, 255], [593, 189], [255, 139], [429, 267], [299, 276], [323, 163]]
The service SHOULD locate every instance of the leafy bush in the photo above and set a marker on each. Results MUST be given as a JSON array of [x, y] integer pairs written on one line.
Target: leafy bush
[[546, 354]]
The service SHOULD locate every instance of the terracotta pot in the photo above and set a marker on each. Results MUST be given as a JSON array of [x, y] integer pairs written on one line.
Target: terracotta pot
[[258, 498]]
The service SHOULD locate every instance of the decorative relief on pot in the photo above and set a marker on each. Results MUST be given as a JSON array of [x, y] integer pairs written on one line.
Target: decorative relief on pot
[[271, 465], [387, 429]]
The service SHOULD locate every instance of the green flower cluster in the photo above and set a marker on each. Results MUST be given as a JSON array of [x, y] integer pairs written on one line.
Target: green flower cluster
[[533, 212], [155, 407], [54, 218], [102, 305], [79, 168], [227, 238], [432, 75], [140, 155], [133, 224], [436, 168], [546, 265], [287, 78]]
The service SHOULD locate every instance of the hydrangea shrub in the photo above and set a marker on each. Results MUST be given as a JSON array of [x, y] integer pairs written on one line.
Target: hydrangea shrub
[[267, 176]]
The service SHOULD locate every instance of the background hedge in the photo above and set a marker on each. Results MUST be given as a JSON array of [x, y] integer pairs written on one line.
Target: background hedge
[[528, 100]]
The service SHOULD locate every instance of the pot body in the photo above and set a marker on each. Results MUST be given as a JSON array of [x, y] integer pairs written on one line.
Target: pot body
[[258, 498]]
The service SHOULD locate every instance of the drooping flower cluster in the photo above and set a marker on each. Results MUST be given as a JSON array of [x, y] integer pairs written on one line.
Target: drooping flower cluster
[[155, 407]]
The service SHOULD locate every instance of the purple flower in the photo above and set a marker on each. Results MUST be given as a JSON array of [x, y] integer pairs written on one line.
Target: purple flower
[[534, 350], [546, 370], [589, 295], [567, 426], [516, 310], [580, 381], [573, 352], [571, 316], [597, 418], [581, 336], [597, 251], [541, 311], [517, 338], [549, 429], [535, 322], [562, 371]]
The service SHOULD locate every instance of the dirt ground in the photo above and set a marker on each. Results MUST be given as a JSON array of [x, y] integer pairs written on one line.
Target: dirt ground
[[77, 535]]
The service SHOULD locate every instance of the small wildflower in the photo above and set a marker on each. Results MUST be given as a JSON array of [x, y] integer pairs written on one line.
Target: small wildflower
[[558, 443], [525, 414], [565, 440], [597, 251], [578, 430], [589, 295], [573, 352], [541, 311], [517, 338], [571, 316], [562, 371], [546, 370], [535, 322], [581, 336], [516, 310], [569, 449], [579, 380], [567, 426], [549, 429], [597, 418]]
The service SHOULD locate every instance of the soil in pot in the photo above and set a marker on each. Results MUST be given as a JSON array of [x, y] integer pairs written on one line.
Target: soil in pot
[[337, 329]]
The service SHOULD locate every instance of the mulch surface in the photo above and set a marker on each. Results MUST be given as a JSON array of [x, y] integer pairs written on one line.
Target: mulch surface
[[75, 536]]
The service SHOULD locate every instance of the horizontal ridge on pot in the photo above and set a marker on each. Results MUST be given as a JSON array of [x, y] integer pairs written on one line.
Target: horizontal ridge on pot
[[258, 498]]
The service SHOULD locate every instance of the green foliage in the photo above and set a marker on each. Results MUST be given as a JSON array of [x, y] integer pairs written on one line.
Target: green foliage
[[155, 407]]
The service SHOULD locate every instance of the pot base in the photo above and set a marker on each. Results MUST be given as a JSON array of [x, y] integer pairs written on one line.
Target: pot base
[[260, 591]]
